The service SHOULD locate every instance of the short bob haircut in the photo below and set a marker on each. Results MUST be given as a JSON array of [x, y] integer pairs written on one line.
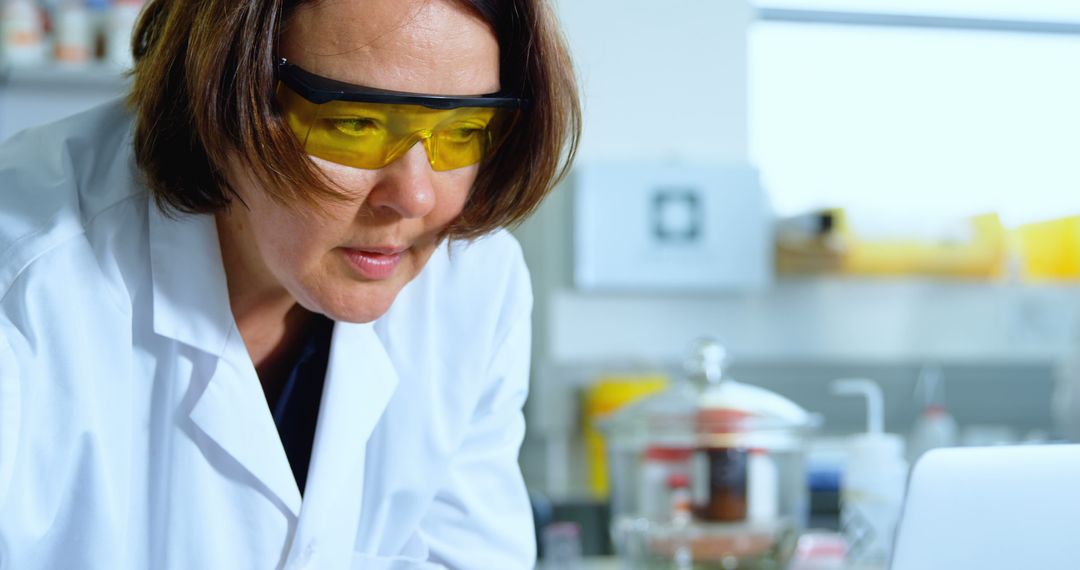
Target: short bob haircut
[[203, 94]]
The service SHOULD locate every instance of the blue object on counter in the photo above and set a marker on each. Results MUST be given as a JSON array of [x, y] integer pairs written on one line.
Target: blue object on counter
[[823, 480]]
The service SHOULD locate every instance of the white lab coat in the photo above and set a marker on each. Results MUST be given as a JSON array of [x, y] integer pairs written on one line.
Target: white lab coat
[[134, 432]]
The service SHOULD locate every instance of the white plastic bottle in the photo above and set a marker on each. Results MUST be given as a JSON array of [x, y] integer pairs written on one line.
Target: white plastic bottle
[[873, 484], [22, 33], [763, 488], [120, 24], [934, 427], [74, 31]]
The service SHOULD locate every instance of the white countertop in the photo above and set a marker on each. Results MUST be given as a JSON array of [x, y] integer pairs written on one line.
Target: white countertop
[[612, 563]]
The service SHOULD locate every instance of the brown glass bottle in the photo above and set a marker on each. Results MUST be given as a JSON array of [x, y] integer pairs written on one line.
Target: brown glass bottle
[[719, 481]]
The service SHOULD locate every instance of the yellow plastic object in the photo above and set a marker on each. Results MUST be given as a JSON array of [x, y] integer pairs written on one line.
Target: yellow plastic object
[[372, 135], [1049, 251], [606, 395], [981, 257]]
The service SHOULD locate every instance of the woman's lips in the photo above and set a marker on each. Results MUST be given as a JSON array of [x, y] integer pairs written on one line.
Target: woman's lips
[[376, 264]]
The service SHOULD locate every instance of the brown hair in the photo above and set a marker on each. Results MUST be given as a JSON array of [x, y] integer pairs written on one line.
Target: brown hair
[[203, 91]]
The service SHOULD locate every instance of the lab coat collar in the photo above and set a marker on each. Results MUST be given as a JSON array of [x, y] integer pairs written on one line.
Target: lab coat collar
[[232, 412], [191, 295], [360, 381], [191, 305]]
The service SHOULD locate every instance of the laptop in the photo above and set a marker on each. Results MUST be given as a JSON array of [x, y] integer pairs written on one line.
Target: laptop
[[992, 508]]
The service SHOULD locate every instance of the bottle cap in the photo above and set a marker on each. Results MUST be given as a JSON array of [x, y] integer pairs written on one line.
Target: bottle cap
[[668, 454], [678, 481]]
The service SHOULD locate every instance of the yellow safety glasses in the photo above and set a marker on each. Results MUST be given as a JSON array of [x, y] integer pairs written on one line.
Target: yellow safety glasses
[[370, 128]]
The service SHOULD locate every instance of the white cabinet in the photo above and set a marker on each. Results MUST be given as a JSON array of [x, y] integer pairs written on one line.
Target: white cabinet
[[641, 226]]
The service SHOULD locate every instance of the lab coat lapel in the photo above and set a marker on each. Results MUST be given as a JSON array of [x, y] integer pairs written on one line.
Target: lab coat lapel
[[360, 380], [191, 305], [232, 412]]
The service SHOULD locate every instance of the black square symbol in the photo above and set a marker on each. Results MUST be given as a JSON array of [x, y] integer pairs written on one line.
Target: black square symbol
[[677, 216]]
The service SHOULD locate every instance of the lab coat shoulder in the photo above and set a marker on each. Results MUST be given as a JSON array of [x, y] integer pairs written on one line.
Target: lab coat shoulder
[[480, 516], [9, 409], [71, 224], [490, 273], [56, 179], [485, 295], [448, 328], [63, 313]]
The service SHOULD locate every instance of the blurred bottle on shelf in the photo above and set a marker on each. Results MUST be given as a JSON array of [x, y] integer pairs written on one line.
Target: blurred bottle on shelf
[[120, 23], [71, 33], [22, 33], [75, 33]]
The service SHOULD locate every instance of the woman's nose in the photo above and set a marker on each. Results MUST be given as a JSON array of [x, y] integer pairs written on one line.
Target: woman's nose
[[405, 185]]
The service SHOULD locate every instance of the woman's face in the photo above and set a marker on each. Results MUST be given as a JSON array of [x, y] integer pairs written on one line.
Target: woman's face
[[350, 261]]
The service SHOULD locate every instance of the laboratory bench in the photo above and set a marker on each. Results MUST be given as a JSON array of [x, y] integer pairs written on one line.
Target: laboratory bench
[[612, 563], [592, 517]]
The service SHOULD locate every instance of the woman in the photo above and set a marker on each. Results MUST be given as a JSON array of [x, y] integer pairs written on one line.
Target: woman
[[263, 315]]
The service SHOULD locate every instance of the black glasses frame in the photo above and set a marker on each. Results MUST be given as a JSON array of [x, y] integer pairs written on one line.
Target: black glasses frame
[[321, 90]]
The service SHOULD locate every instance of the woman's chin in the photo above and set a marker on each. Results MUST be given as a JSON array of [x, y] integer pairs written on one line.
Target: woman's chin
[[362, 307], [343, 295]]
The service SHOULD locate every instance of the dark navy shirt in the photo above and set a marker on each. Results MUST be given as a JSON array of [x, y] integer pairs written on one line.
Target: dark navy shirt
[[297, 408]]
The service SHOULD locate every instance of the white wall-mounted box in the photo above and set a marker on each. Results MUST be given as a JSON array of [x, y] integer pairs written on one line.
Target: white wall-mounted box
[[671, 227]]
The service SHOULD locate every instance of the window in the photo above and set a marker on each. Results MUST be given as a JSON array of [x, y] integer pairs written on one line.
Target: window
[[1043, 10], [918, 121]]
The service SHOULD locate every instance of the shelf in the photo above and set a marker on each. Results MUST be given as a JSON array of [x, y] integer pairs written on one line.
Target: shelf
[[53, 75], [825, 319]]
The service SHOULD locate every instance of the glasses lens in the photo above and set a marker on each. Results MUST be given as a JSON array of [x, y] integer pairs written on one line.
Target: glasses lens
[[462, 141], [372, 135]]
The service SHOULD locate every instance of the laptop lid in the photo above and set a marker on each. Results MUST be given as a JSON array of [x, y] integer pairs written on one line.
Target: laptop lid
[[993, 508]]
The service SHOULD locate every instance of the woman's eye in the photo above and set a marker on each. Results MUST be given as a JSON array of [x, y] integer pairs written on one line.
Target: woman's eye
[[355, 126], [463, 134]]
